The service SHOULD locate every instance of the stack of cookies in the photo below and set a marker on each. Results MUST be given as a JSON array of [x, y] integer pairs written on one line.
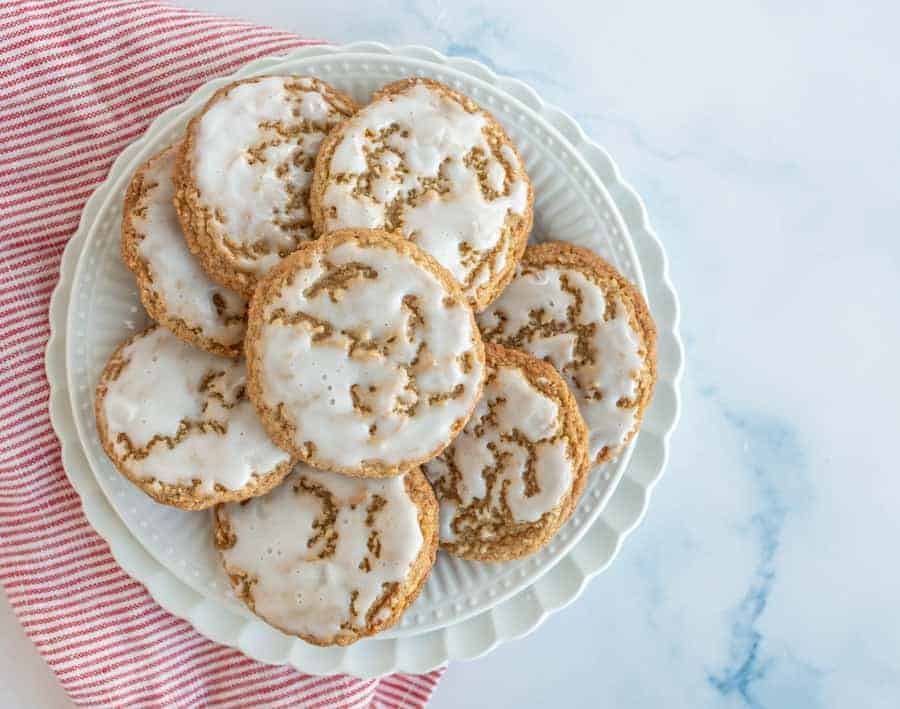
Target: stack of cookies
[[356, 359]]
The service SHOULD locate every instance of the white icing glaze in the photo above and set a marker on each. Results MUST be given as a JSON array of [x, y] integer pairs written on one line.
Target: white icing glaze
[[159, 389], [316, 380], [247, 191], [177, 276], [616, 348], [518, 408], [295, 589], [440, 134]]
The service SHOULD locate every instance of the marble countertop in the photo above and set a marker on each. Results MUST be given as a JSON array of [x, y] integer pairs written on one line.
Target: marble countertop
[[764, 139]]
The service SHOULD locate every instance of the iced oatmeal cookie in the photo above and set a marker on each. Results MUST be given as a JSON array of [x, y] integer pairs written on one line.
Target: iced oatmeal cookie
[[426, 162], [363, 355], [175, 420], [176, 292], [330, 558], [569, 306], [512, 478], [244, 170]]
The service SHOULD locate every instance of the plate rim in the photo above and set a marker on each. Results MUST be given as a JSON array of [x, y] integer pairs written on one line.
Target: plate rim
[[469, 638]]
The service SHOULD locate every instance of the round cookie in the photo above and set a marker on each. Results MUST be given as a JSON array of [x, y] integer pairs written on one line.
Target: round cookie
[[512, 478], [570, 307], [174, 289], [363, 355], [244, 170], [426, 162], [329, 558], [175, 420]]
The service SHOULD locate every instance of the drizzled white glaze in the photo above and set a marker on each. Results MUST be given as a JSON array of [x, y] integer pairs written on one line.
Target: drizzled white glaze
[[518, 408], [616, 348], [399, 363], [159, 389], [300, 587], [237, 163], [439, 135], [177, 277]]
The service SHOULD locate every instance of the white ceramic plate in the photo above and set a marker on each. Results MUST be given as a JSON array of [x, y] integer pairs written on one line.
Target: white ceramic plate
[[466, 608]]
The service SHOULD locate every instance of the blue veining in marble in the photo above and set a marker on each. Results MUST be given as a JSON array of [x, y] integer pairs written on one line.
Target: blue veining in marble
[[771, 452]]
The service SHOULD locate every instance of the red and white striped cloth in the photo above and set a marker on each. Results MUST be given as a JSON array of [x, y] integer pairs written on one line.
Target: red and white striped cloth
[[80, 80]]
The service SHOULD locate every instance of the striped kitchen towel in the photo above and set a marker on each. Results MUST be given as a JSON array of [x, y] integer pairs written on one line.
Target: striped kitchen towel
[[79, 80]]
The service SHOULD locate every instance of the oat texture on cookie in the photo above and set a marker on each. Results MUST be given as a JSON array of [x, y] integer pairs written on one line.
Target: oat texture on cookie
[[176, 421], [513, 476], [426, 162], [363, 354], [174, 289], [572, 308], [327, 557], [245, 169]]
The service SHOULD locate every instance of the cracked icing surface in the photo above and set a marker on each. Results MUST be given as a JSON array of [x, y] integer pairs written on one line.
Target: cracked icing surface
[[176, 420], [328, 557], [426, 162], [176, 291], [364, 356], [245, 172], [512, 477], [568, 306]]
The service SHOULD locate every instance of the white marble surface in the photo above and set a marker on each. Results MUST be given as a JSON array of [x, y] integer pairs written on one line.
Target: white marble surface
[[764, 137]]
